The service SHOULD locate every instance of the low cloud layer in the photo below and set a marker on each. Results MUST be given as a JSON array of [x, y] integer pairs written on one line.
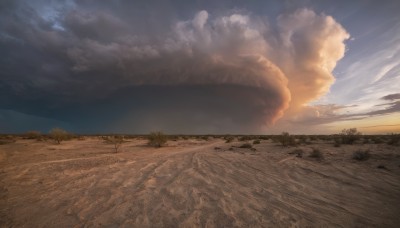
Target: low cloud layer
[[314, 116], [233, 72]]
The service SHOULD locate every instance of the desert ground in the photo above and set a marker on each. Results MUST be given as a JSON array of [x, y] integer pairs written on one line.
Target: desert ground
[[196, 183]]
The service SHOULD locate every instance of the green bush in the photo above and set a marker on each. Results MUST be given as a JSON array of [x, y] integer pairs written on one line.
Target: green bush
[[157, 139], [256, 141]]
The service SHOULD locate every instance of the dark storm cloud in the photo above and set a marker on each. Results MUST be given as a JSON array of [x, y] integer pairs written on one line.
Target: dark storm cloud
[[391, 108], [395, 96], [323, 114], [129, 67]]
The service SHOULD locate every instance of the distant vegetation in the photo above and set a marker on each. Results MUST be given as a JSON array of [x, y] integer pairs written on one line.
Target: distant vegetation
[[6, 139], [157, 139], [59, 135], [286, 139], [394, 140], [229, 139], [33, 135]]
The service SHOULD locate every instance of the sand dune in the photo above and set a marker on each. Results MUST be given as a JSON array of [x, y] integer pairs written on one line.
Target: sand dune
[[193, 184]]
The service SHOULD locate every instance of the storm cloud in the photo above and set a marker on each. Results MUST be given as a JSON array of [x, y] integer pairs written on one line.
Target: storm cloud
[[100, 69]]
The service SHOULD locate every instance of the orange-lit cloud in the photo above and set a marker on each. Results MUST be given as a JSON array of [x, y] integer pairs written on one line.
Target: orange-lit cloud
[[312, 45]]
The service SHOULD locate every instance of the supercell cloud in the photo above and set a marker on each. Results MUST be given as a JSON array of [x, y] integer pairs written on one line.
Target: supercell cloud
[[100, 69]]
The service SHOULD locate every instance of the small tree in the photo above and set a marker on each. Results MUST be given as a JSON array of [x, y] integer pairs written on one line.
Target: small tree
[[157, 139], [349, 136], [59, 134], [116, 140]]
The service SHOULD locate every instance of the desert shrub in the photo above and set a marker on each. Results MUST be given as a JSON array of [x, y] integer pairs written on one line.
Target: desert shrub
[[324, 137], [302, 139], [116, 140], [286, 139], [365, 140], [157, 139], [337, 141], [349, 136], [394, 140], [204, 137], [246, 145], [264, 137], [59, 135], [361, 155], [33, 135], [275, 138], [298, 152], [229, 139], [185, 137], [256, 141], [313, 138], [381, 167], [4, 141], [246, 138], [173, 137], [315, 153], [377, 140]]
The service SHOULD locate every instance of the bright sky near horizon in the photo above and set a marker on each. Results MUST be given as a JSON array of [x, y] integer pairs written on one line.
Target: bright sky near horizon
[[200, 67]]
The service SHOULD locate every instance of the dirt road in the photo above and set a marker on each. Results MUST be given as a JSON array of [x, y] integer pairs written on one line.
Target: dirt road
[[194, 184]]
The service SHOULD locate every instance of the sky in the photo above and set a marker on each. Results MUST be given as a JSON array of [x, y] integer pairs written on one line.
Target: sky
[[200, 67]]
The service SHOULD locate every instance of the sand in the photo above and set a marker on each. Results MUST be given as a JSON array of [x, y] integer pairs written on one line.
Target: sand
[[191, 183]]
